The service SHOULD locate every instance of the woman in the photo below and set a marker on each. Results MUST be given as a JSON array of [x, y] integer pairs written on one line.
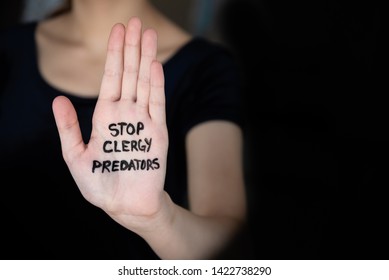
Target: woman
[[153, 184]]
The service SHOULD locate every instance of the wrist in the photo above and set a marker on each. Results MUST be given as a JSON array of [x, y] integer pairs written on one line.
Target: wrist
[[154, 222]]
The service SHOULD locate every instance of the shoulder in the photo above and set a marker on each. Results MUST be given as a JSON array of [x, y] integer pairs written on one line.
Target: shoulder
[[204, 81], [201, 66], [17, 43], [16, 36], [18, 29]]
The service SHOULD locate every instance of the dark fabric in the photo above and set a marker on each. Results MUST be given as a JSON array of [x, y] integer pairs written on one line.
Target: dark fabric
[[43, 214]]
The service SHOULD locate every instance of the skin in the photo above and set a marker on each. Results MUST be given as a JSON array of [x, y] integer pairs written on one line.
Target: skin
[[132, 88]]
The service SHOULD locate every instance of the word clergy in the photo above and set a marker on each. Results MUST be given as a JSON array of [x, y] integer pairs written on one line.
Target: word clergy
[[128, 145]]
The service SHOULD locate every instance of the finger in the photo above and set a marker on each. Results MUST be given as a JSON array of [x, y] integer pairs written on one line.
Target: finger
[[68, 127], [148, 55], [131, 58], [157, 93], [113, 71]]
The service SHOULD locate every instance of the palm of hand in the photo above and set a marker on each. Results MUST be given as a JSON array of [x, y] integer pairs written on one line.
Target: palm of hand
[[122, 168]]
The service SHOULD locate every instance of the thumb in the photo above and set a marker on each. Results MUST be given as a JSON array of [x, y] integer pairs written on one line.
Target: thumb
[[68, 128]]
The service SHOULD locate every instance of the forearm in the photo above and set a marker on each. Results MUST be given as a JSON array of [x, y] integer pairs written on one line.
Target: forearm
[[176, 233]]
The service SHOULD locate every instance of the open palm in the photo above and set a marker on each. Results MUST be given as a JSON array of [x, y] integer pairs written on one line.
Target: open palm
[[122, 168]]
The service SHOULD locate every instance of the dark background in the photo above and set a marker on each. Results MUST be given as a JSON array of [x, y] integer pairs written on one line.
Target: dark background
[[316, 159], [316, 109]]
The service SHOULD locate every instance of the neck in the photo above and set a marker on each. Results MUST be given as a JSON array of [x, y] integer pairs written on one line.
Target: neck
[[92, 20]]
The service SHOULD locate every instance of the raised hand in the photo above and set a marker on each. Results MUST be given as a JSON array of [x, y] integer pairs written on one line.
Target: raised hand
[[122, 168]]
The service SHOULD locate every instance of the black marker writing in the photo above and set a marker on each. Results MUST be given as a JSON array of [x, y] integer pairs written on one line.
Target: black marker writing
[[134, 144], [141, 145], [124, 165], [125, 128]]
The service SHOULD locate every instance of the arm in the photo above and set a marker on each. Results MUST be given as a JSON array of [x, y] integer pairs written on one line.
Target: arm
[[127, 181], [216, 196]]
